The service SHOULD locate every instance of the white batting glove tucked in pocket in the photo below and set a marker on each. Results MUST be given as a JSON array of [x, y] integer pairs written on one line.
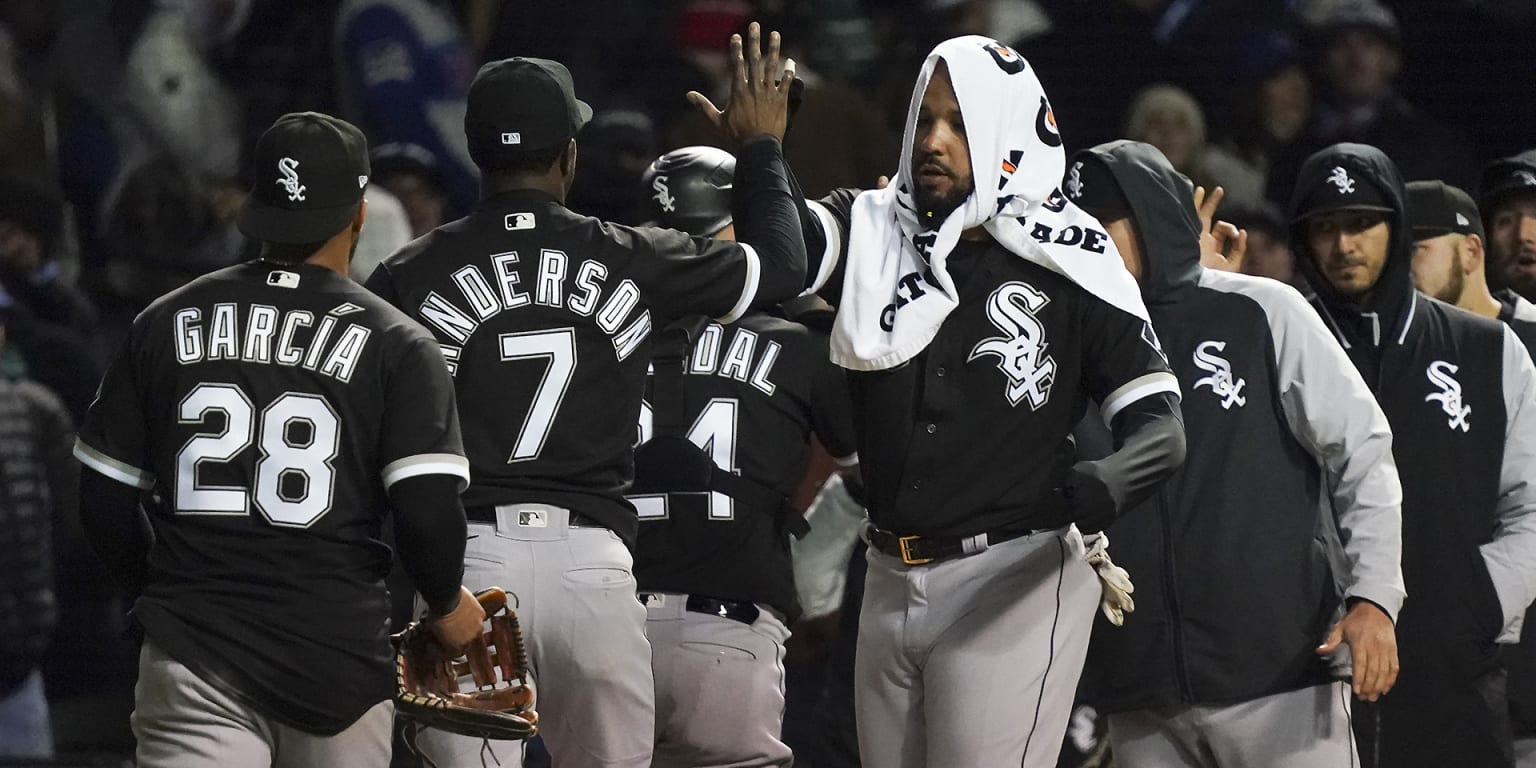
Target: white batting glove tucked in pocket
[[1115, 580]]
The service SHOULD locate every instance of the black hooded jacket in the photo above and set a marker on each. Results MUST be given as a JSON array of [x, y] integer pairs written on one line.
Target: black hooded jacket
[[1458, 390], [1238, 572]]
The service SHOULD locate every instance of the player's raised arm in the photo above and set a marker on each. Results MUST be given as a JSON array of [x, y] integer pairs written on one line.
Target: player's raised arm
[[753, 124]]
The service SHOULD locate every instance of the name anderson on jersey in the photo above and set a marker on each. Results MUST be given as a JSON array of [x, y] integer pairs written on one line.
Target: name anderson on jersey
[[488, 296], [268, 336]]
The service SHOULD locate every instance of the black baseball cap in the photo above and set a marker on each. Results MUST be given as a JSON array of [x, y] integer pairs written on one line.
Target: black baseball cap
[[1507, 176], [1342, 190], [518, 105], [310, 170], [1436, 208], [1093, 187]]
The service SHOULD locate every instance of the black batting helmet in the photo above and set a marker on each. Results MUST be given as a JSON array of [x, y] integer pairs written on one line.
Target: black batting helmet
[[690, 189]]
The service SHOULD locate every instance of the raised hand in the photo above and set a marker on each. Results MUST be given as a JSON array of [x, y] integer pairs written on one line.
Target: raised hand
[[760, 88], [1222, 245]]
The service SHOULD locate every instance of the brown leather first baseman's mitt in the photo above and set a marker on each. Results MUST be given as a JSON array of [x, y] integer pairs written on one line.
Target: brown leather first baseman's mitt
[[430, 688]]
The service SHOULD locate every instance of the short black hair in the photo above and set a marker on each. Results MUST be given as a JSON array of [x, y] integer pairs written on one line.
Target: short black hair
[[290, 253], [528, 161]]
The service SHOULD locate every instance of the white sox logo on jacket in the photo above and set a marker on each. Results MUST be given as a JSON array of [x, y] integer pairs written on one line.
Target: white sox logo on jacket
[[1221, 381], [1439, 373], [1021, 348]]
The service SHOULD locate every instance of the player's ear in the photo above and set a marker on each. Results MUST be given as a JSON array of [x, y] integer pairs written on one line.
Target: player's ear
[[1472, 253], [568, 162], [362, 213]]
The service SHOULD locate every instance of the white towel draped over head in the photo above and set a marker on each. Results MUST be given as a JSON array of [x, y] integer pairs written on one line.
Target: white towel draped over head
[[1017, 162]]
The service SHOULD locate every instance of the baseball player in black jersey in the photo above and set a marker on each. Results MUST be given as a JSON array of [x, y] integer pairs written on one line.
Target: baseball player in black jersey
[[713, 560], [265, 415], [546, 318], [979, 312]]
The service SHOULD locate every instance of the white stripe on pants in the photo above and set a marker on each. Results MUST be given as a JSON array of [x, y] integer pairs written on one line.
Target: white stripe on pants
[[183, 721], [574, 593], [973, 661], [1306, 728]]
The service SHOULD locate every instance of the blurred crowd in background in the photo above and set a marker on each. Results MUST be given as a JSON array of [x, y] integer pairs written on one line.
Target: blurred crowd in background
[[124, 128]]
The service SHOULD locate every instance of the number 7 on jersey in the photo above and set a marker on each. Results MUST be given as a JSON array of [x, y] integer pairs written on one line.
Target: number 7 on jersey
[[559, 347]]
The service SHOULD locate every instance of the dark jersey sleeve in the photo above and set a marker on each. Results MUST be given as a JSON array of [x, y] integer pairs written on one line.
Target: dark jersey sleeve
[[382, 283], [825, 223], [113, 439], [684, 275], [1122, 359], [832, 410], [420, 433]]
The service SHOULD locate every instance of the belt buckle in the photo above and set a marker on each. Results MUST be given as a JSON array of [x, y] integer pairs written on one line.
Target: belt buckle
[[906, 551]]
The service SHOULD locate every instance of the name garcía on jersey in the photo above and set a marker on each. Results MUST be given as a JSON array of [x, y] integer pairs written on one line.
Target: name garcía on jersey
[[267, 335], [484, 294]]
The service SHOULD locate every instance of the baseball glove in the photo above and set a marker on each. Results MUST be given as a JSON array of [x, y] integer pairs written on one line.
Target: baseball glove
[[429, 685]]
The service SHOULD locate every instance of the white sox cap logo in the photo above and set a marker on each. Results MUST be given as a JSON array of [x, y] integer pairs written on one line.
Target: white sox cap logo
[[1221, 381], [1340, 178], [289, 168], [1021, 348], [1439, 374], [1075, 181], [664, 195]]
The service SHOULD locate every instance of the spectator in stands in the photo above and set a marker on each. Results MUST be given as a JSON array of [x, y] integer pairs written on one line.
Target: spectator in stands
[[403, 70], [412, 174], [1269, 250], [1359, 58], [1268, 105], [617, 146], [1168, 118], [35, 494]]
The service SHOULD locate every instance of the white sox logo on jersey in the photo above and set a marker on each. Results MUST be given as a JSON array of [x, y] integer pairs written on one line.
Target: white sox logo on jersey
[[1221, 381], [289, 168], [664, 195], [1021, 348], [1439, 374]]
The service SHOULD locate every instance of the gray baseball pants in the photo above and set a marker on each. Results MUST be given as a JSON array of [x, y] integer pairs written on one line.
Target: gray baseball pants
[[719, 687], [1307, 728], [574, 592], [973, 661], [183, 721]]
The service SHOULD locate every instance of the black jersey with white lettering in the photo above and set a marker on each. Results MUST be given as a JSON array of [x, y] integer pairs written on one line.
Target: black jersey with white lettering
[[753, 393], [268, 409], [545, 318], [973, 434]]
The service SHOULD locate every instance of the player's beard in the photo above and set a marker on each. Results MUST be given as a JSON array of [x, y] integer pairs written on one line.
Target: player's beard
[[1455, 281], [938, 207]]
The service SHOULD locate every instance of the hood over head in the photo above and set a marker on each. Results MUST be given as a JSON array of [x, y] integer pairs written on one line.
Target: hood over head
[[1326, 181], [1161, 204]]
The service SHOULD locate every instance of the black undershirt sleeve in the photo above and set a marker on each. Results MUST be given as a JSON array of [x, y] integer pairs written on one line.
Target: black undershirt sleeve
[[115, 528], [764, 208], [429, 537], [1149, 446]]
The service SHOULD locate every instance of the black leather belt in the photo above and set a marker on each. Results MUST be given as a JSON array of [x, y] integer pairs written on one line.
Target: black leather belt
[[735, 610], [917, 550]]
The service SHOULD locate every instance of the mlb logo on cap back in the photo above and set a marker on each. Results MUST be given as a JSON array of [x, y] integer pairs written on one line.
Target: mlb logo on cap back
[[521, 105]]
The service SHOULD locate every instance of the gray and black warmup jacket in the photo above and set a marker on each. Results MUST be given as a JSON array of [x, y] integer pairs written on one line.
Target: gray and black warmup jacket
[[1237, 563], [1460, 393]]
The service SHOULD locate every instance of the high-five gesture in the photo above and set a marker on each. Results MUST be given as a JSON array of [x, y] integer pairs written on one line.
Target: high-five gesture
[[759, 90]]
